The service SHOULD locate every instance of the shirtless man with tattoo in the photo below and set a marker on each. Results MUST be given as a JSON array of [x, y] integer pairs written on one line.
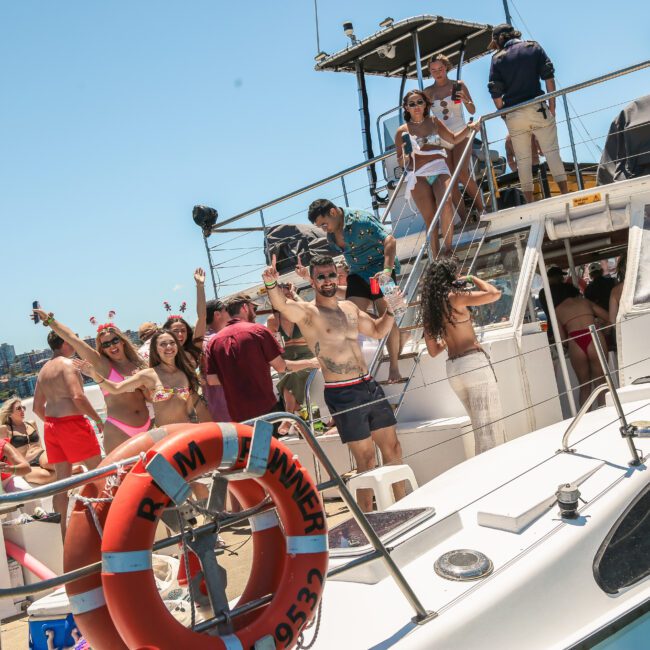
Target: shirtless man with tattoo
[[331, 328]]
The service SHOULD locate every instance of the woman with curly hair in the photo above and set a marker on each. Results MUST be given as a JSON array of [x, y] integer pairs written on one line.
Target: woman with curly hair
[[170, 382], [114, 357], [447, 323]]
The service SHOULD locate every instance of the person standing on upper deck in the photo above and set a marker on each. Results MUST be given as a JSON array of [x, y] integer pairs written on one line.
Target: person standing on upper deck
[[448, 99], [369, 251], [515, 74]]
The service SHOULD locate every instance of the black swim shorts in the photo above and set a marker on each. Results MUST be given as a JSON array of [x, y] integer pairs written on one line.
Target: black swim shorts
[[362, 407], [360, 288]]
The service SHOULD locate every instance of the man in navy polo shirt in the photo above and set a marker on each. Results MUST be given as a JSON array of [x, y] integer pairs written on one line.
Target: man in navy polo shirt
[[369, 251], [515, 74], [241, 355]]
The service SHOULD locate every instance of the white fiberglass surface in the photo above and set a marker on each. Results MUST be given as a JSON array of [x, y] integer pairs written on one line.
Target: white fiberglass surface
[[521, 561]]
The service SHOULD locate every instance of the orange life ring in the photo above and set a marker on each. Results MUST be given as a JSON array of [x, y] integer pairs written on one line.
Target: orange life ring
[[127, 578], [83, 545]]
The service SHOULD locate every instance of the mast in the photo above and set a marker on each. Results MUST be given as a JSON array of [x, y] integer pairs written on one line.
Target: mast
[[507, 11]]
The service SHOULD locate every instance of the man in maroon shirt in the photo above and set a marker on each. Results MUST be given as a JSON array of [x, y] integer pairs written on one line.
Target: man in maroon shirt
[[240, 356]]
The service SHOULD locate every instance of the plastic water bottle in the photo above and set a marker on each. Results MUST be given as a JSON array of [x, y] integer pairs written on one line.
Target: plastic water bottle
[[393, 297]]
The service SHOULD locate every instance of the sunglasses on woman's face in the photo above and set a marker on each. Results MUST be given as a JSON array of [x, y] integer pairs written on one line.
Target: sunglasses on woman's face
[[109, 344], [321, 277], [417, 102], [20, 407]]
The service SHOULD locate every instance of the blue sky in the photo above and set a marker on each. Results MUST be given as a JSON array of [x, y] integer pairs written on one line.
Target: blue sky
[[118, 117]]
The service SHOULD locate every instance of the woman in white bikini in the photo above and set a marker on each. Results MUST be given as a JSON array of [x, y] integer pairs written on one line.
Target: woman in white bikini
[[429, 175], [448, 99]]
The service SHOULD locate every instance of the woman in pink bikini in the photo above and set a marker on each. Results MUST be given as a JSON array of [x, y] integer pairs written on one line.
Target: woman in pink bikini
[[115, 357], [170, 382], [575, 314]]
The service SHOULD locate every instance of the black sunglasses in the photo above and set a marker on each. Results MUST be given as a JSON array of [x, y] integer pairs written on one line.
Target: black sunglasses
[[330, 276], [109, 344], [418, 102]]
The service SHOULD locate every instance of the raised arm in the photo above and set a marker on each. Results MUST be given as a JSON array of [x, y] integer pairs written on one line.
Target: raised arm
[[79, 346], [143, 379], [201, 311], [484, 294], [294, 311], [375, 328]]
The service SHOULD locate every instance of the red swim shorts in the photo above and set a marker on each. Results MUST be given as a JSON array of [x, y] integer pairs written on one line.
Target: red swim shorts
[[70, 439]]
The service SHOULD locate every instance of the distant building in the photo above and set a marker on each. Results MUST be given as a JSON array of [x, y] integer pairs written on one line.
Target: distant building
[[7, 356]]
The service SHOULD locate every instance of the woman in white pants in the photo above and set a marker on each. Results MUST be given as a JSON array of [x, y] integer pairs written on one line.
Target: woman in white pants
[[447, 324]]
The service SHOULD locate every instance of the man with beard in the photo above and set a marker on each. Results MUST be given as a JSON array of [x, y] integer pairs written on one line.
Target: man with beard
[[369, 252], [355, 400], [240, 355]]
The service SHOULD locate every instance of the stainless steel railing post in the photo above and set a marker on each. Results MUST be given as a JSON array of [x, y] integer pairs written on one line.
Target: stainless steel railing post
[[625, 428], [422, 614], [345, 192], [573, 144], [488, 167]]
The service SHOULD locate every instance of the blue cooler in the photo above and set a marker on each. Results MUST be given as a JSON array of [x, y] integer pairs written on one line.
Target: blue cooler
[[52, 614]]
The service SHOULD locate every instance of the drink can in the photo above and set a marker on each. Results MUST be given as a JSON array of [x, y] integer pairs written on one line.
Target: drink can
[[374, 286]]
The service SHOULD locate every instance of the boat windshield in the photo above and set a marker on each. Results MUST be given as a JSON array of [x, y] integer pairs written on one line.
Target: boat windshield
[[499, 261]]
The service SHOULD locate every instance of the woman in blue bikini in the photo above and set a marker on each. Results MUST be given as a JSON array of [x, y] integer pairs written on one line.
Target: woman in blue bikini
[[429, 175]]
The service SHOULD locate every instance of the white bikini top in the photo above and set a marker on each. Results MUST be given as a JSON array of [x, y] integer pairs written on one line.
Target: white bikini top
[[417, 142]]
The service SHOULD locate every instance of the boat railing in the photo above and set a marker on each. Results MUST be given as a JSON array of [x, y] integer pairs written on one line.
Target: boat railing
[[561, 92], [628, 431], [221, 521], [262, 220]]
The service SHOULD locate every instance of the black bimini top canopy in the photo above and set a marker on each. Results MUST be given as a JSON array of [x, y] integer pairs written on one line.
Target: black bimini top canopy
[[391, 51]]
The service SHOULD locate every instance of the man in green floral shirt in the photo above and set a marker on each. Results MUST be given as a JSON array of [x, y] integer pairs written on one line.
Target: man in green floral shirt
[[369, 251]]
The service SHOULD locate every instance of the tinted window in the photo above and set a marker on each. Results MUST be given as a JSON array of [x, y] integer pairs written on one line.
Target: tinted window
[[624, 557]]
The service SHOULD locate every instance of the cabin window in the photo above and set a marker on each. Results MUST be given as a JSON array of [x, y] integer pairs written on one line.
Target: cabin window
[[499, 261], [642, 284], [624, 557]]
